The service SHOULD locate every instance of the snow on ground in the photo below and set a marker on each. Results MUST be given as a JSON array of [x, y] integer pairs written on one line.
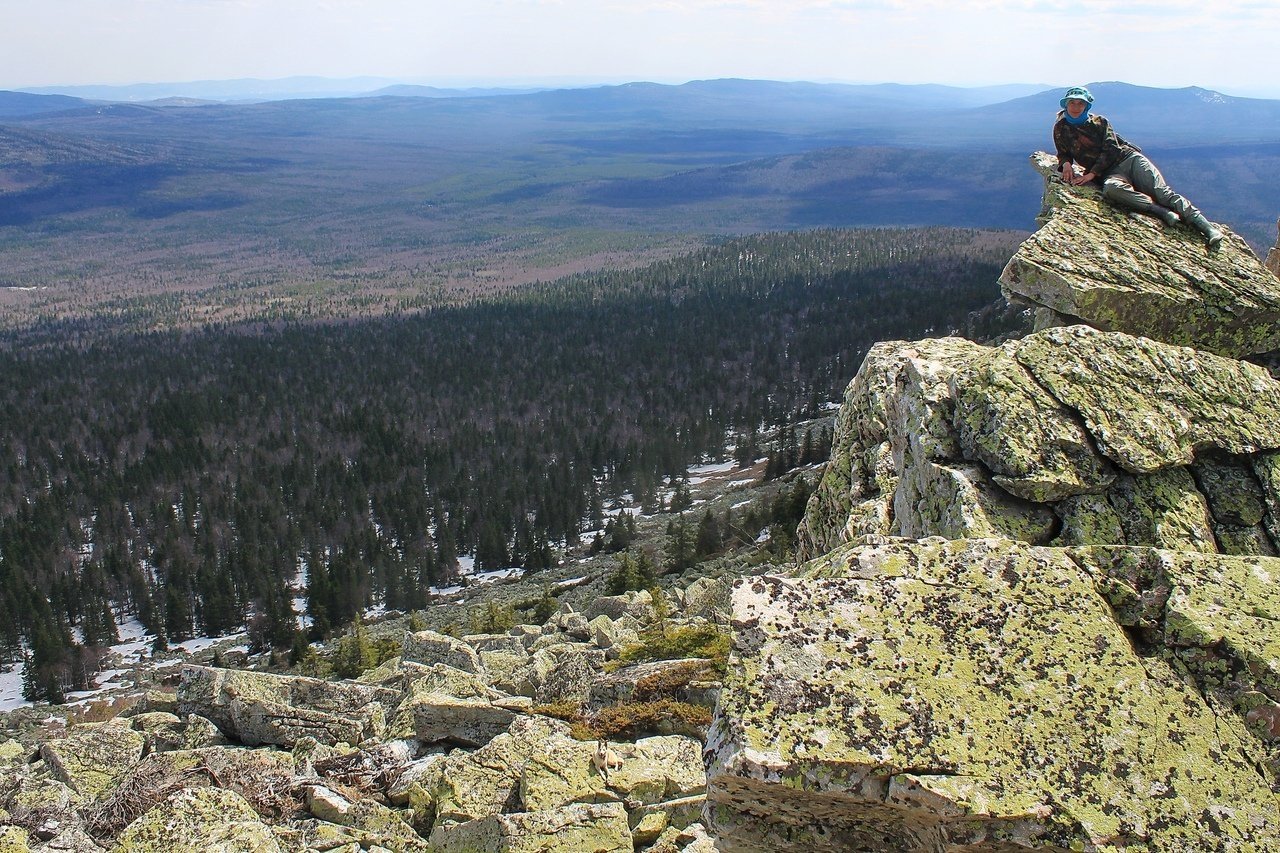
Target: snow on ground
[[133, 648], [705, 472], [11, 689]]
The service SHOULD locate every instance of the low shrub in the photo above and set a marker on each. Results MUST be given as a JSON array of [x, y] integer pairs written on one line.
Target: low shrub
[[694, 641]]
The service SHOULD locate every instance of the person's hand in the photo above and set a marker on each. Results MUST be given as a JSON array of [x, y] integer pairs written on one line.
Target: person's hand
[[1069, 174], [1087, 177]]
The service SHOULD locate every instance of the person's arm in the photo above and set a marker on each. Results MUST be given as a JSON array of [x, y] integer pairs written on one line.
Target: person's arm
[[1064, 142], [1110, 151], [1066, 150]]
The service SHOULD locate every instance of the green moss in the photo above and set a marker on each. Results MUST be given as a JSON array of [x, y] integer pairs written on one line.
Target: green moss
[[632, 720], [695, 641]]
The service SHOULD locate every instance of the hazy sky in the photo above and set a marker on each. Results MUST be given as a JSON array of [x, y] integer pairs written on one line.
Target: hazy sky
[[1230, 45]]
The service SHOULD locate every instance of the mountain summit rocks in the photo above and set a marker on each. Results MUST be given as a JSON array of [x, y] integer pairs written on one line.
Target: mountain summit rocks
[[1041, 607], [1092, 262]]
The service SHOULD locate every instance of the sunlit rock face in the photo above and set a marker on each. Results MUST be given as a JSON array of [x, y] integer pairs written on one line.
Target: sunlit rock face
[[1094, 263], [985, 694], [1040, 605]]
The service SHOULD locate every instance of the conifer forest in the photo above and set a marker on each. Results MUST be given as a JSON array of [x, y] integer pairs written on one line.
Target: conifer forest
[[200, 479]]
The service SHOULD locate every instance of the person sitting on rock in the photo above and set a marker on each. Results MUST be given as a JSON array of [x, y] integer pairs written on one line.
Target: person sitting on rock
[[1129, 179]]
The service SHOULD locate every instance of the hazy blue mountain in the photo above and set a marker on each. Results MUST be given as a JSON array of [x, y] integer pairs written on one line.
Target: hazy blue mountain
[[15, 104], [408, 90], [1146, 115], [247, 89], [580, 167]]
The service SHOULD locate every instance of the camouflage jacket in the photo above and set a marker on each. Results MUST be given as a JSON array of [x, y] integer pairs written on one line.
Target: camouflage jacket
[[1093, 145]]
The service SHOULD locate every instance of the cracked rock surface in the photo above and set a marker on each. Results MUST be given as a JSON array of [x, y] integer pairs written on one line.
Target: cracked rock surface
[[983, 695]]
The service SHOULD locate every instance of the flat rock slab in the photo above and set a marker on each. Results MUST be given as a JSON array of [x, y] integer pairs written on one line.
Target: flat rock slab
[[966, 695], [94, 757], [1127, 272], [598, 828], [256, 708]]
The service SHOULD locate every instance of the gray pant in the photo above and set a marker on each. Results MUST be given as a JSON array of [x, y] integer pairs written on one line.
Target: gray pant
[[1135, 183]]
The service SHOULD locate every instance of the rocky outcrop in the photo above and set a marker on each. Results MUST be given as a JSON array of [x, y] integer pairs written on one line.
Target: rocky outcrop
[[439, 748], [1069, 436], [256, 708], [985, 695], [200, 820], [1040, 609], [1092, 262]]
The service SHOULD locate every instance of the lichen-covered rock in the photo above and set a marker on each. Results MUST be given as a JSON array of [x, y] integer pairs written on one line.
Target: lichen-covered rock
[[508, 672], [423, 773], [14, 839], [562, 772], [613, 634], [656, 769], [1149, 405], [93, 757], [636, 604], [463, 722], [649, 822], [1214, 614], [259, 708], [199, 820], [652, 679], [975, 695], [572, 829], [896, 414], [1125, 272], [70, 840], [495, 643], [487, 782], [1035, 447], [962, 501], [165, 731], [13, 753], [1069, 436], [429, 647], [564, 672], [1163, 510], [707, 598]]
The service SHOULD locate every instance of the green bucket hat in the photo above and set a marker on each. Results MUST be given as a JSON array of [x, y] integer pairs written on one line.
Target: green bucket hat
[[1076, 93]]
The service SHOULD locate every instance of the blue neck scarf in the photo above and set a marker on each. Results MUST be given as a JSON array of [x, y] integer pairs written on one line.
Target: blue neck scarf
[[1084, 116]]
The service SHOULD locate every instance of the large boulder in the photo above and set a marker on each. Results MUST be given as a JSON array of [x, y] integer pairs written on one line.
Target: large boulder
[[1068, 436], [1093, 262], [984, 695], [258, 708], [486, 782], [92, 758], [462, 722], [429, 647], [200, 820]]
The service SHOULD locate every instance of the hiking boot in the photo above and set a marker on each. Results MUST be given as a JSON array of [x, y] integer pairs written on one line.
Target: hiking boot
[[1212, 235], [1164, 214]]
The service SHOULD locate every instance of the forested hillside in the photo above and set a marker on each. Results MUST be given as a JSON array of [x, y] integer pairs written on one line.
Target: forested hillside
[[191, 478]]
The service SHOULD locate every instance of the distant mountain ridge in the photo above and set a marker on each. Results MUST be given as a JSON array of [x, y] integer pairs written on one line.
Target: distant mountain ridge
[[1015, 116], [14, 104]]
